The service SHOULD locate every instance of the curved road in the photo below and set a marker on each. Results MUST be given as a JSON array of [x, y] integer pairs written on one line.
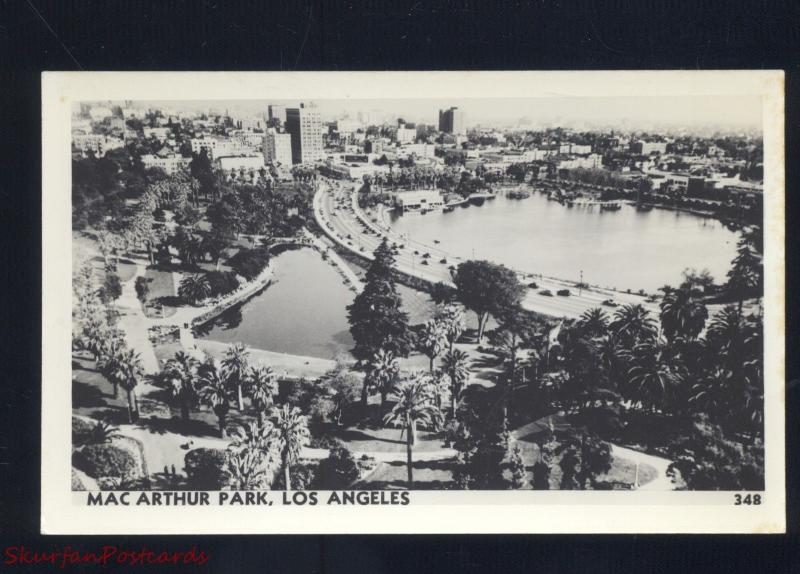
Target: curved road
[[337, 212]]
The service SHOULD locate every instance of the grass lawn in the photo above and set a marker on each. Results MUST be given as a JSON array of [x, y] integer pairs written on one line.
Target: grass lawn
[[386, 439], [428, 475], [625, 471], [162, 290]]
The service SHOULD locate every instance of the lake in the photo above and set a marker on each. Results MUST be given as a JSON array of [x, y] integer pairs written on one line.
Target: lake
[[303, 311], [625, 249]]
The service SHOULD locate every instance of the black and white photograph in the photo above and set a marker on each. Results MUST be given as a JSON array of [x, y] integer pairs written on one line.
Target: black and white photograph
[[410, 295]]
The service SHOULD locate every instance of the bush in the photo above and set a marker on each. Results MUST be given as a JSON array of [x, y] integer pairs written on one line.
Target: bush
[[101, 460], [222, 282], [77, 483], [339, 470], [81, 430], [142, 286], [205, 469], [249, 262]]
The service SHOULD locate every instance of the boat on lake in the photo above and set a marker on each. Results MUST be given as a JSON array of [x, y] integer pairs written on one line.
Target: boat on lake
[[613, 206]]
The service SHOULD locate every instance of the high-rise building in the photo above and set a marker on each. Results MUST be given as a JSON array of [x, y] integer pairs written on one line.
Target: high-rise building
[[451, 121], [278, 148], [277, 112], [305, 126]]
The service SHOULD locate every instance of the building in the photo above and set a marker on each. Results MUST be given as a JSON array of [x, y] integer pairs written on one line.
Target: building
[[278, 113], [278, 148], [405, 135], [161, 134], [97, 144], [221, 147], [305, 127], [247, 163], [170, 164], [451, 121], [345, 127], [418, 201], [373, 146], [646, 148]]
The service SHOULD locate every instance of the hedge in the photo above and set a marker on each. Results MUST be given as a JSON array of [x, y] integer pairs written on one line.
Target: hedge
[[100, 460]]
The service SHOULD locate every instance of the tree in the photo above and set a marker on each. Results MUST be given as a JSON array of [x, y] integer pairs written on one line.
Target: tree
[[111, 289], [382, 372], [214, 392], [746, 273], [431, 340], [291, 431], [194, 288], [451, 316], [376, 318], [142, 287], [593, 322], [415, 406], [583, 458], [682, 315], [263, 386], [181, 371], [236, 366], [632, 324], [127, 370], [485, 287], [709, 460], [654, 376], [456, 365]]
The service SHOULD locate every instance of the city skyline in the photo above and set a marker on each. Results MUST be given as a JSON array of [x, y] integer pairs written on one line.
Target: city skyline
[[636, 113]]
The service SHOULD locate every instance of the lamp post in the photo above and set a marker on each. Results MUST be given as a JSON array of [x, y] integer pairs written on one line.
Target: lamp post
[[580, 285]]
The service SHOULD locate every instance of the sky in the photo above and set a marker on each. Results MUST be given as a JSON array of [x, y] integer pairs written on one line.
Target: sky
[[633, 113]]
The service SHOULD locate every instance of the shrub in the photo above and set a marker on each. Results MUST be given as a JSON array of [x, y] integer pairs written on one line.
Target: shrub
[[81, 430], [99, 460], [249, 262], [339, 470], [205, 469], [222, 282], [77, 483]]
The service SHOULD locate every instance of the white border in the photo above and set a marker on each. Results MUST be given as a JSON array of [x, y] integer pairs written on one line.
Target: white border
[[430, 512]]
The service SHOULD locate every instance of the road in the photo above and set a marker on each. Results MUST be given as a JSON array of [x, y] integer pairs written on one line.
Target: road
[[337, 212]]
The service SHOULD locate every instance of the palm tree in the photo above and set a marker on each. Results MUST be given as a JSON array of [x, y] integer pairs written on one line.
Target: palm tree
[[236, 367], [181, 371], [746, 273], [593, 322], [456, 364], [247, 469], [291, 430], [654, 375], [432, 340], [194, 288], [415, 405], [107, 353], [263, 387], [252, 455], [214, 392], [382, 372], [682, 315], [632, 324], [127, 370]]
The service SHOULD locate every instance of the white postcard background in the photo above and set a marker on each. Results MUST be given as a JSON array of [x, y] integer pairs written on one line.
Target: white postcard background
[[65, 512]]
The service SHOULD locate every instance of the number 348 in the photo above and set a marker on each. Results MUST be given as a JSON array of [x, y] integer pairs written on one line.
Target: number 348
[[746, 499]]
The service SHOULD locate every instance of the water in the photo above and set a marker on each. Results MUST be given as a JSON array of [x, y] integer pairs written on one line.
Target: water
[[302, 312], [626, 249]]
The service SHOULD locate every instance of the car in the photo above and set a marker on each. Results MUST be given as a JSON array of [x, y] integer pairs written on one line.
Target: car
[[546, 292], [563, 292], [424, 261], [609, 303], [533, 285], [443, 261], [426, 255]]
